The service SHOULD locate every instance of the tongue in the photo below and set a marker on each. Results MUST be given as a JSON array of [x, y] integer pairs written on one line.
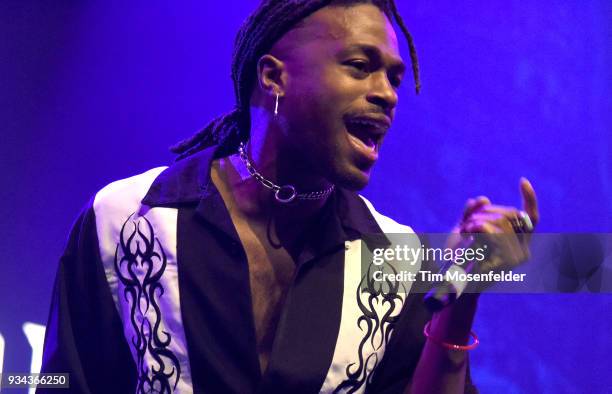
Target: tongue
[[359, 131], [368, 142]]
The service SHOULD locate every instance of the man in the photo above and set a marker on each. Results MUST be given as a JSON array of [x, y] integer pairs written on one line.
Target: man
[[236, 269]]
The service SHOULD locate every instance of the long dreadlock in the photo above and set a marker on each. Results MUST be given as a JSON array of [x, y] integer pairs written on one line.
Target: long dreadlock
[[268, 23]]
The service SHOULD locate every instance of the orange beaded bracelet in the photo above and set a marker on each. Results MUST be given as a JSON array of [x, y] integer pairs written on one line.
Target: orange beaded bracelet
[[451, 346]]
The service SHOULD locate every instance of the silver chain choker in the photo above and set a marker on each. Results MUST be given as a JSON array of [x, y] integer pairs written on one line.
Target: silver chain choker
[[283, 194]]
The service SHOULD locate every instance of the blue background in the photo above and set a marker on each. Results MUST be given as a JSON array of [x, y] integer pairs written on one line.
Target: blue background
[[91, 92]]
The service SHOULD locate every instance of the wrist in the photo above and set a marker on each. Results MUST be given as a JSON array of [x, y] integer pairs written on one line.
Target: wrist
[[451, 346], [454, 323]]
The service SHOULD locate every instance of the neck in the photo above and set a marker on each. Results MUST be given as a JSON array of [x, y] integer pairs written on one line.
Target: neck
[[270, 154], [249, 197], [283, 164]]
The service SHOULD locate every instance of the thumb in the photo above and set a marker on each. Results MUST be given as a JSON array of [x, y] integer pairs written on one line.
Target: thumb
[[530, 201]]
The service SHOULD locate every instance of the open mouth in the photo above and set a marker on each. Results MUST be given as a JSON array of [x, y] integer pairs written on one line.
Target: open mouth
[[367, 132]]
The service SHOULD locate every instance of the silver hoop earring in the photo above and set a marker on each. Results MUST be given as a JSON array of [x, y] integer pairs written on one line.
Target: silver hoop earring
[[276, 105]]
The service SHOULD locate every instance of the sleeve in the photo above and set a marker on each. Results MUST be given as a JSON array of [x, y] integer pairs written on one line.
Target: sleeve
[[397, 366], [84, 335]]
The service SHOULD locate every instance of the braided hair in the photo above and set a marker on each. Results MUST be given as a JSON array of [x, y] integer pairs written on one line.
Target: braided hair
[[266, 25]]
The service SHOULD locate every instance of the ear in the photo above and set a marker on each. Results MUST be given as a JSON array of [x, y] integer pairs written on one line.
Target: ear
[[271, 74]]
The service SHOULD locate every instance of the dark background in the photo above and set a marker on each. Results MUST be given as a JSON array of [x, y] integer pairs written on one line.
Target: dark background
[[94, 91]]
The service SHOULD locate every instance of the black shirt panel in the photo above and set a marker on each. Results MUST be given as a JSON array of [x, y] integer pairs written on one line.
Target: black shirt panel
[[307, 331], [216, 307]]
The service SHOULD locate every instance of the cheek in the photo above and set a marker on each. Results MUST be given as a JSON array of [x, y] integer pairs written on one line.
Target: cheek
[[310, 111], [323, 89], [315, 105]]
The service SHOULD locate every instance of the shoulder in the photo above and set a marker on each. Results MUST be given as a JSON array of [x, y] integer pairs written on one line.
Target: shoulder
[[125, 193], [387, 224], [119, 196], [116, 204]]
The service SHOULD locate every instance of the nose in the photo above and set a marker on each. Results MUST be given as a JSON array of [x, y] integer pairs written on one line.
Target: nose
[[382, 93]]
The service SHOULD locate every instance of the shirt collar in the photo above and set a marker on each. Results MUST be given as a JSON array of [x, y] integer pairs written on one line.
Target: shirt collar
[[184, 181]]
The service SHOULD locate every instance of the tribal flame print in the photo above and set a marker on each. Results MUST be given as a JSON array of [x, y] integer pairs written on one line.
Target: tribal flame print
[[140, 262], [373, 299]]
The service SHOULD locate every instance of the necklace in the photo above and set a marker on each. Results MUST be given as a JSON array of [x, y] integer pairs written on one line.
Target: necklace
[[283, 194]]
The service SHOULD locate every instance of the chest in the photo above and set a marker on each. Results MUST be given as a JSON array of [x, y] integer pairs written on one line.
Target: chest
[[271, 270], [327, 323]]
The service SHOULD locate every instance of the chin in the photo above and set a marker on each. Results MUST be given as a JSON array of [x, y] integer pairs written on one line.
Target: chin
[[352, 179], [345, 169]]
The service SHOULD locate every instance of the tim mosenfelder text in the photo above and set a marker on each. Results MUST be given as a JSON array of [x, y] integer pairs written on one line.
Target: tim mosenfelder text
[[459, 256]]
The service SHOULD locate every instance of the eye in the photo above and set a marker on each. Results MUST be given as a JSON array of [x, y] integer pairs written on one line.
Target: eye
[[359, 66], [396, 82]]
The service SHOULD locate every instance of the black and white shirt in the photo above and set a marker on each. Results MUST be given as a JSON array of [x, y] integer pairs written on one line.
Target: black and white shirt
[[152, 295]]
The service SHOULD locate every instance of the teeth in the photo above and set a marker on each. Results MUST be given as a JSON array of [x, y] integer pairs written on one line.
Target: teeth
[[363, 129], [374, 125]]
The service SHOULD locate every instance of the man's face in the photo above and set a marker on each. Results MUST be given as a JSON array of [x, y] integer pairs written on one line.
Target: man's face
[[343, 69]]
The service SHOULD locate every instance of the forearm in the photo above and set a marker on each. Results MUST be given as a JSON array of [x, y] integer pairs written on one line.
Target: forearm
[[441, 370]]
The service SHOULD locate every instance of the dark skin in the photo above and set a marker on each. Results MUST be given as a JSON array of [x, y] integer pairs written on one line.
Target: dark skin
[[340, 67]]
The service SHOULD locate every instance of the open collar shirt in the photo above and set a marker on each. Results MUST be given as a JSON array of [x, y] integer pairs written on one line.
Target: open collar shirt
[[152, 294]]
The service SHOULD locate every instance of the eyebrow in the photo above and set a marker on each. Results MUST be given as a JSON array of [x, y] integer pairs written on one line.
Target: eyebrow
[[397, 65]]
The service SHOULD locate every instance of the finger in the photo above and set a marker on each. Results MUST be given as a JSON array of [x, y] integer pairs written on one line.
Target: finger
[[469, 204], [509, 213], [504, 229], [474, 204], [500, 239], [496, 219], [475, 226], [512, 215], [517, 244], [530, 201], [483, 200], [502, 220]]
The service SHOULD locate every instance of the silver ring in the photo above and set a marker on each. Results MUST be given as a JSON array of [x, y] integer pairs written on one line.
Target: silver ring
[[527, 223], [523, 223], [285, 189]]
